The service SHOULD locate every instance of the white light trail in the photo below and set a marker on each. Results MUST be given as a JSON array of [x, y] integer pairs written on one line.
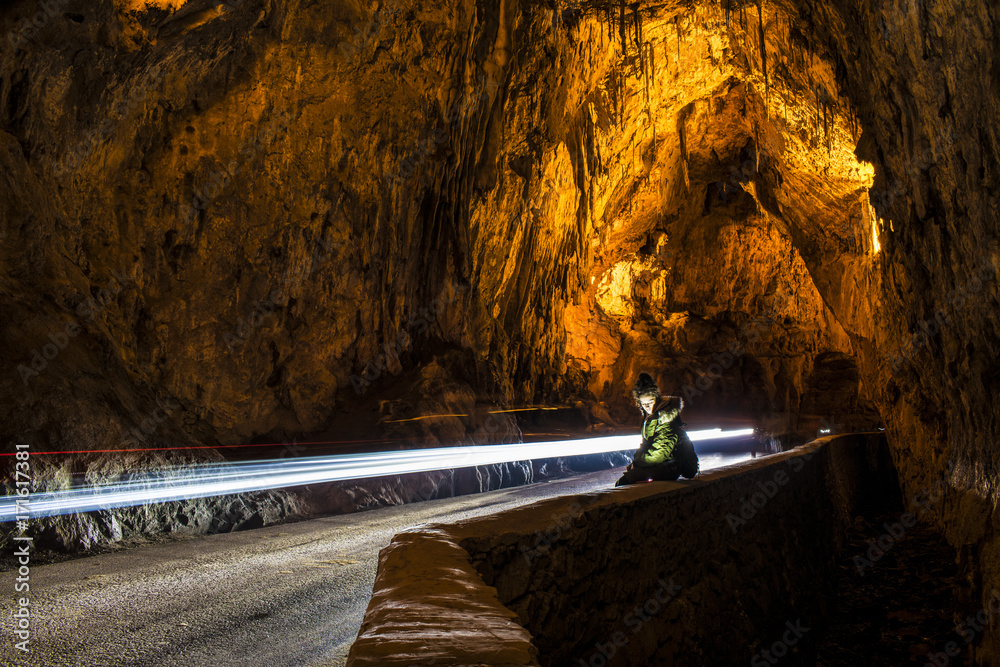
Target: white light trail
[[202, 481]]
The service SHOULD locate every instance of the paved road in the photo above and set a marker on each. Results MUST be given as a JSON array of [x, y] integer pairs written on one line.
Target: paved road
[[292, 595], [284, 595]]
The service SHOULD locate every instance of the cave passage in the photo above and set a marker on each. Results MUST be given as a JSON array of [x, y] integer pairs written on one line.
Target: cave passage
[[234, 223]]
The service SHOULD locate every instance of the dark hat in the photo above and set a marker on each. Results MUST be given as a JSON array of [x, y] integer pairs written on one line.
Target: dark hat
[[643, 386]]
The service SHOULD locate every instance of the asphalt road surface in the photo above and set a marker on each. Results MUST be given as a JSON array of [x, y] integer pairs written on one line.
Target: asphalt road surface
[[291, 595]]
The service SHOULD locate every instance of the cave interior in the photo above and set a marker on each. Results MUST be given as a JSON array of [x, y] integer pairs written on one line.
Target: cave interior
[[249, 221]]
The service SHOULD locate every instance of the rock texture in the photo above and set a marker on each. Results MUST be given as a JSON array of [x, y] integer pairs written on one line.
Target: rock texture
[[646, 575], [923, 80], [258, 219], [277, 206]]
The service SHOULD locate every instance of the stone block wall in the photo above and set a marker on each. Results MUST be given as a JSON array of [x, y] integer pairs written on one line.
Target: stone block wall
[[710, 571]]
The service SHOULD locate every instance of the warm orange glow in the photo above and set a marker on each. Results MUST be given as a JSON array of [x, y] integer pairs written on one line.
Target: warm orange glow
[[618, 288], [413, 419], [492, 412], [877, 225], [867, 170], [146, 5]]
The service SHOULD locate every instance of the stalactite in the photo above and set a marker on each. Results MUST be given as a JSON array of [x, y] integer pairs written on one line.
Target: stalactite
[[756, 148], [621, 115], [814, 117], [819, 111], [586, 177], [622, 31], [648, 73], [602, 166], [794, 51], [637, 21], [638, 67], [763, 52], [826, 136], [632, 162], [653, 124], [612, 95], [652, 64], [677, 29], [828, 118], [682, 137]]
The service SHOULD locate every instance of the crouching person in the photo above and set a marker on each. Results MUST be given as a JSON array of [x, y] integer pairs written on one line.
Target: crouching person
[[666, 451]]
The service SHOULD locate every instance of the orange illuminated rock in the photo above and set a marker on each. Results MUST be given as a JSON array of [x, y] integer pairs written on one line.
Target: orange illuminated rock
[[279, 214]]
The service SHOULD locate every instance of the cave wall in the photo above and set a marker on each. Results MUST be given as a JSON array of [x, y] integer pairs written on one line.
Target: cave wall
[[262, 211], [923, 79], [244, 219]]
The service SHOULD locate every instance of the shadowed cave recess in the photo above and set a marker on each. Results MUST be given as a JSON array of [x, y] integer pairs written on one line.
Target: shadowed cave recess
[[278, 222]]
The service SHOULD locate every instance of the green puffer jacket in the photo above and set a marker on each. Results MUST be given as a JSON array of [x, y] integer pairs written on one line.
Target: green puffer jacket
[[660, 432]]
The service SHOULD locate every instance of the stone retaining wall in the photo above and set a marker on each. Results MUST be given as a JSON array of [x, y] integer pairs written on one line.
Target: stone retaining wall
[[711, 571]]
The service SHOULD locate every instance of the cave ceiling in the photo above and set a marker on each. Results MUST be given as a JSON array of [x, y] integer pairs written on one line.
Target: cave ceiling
[[298, 202]]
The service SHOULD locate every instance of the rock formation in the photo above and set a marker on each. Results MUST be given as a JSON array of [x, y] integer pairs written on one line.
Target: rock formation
[[262, 218]]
